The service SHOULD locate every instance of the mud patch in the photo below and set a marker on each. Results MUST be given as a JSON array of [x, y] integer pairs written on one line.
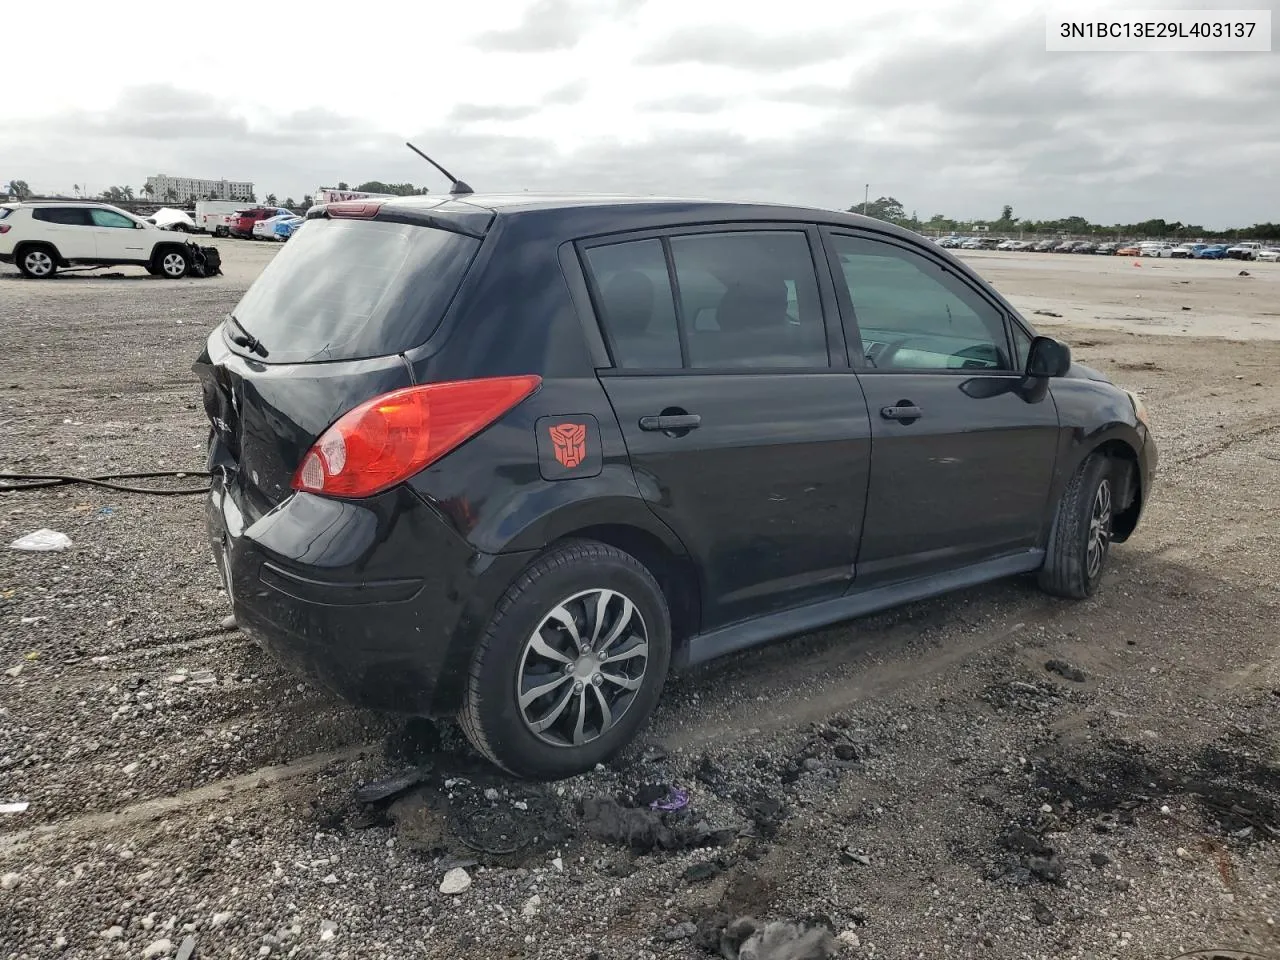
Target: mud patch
[[1237, 793]]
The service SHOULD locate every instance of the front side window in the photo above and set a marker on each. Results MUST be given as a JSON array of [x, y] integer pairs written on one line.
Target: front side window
[[109, 218], [749, 299], [635, 304], [913, 315]]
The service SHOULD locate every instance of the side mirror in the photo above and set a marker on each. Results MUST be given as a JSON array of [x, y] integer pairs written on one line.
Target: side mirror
[[1048, 358]]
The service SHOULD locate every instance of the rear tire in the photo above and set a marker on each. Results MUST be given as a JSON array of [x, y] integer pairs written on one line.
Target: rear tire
[[1080, 540], [37, 261], [597, 694]]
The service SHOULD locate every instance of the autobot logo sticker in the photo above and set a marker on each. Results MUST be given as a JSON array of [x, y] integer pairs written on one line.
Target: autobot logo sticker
[[568, 440], [569, 446]]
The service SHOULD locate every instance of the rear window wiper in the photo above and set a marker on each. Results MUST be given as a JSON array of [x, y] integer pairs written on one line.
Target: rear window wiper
[[244, 338]]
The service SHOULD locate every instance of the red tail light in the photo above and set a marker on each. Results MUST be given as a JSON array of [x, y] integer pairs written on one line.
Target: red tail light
[[390, 438], [4, 227], [354, 209]]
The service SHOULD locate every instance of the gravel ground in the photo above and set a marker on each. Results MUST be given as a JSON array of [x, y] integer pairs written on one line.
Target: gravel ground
[[993, 774]]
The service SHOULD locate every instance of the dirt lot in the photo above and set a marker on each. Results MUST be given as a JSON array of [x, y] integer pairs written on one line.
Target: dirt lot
[[920, 782]]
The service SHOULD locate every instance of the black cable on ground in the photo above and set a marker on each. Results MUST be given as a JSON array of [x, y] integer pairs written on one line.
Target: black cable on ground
[[37, 481]]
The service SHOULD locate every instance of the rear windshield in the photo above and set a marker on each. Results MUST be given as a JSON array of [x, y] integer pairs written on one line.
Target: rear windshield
[[350, 289]]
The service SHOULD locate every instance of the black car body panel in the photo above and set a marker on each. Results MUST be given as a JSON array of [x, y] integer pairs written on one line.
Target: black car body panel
[[798, 498]]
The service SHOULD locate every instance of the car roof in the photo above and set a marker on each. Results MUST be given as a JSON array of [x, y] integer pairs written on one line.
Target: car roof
[[64, 203], [575, 213]]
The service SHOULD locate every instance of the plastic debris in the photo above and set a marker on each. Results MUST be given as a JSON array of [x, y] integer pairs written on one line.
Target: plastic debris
[[676, 799], [42, 541], [20, 807], [187, 949], [388, 787]]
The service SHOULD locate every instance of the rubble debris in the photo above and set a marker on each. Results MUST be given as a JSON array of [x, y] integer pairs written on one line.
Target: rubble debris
[[681, 931], [704, 870], [1065, 670], [376, 791], [645, 830], [748, 939], [653, 753], [1047, 313], [455, 881], [187, 949], [19, 807]]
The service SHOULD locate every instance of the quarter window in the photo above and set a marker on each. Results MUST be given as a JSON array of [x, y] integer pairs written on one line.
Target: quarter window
[[635, 303], [109, 218], [913, 315], [749, 299]]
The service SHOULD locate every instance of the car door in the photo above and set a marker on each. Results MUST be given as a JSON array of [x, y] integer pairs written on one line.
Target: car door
[[962, 455], [69, 229], [747, 430], [118, 238]]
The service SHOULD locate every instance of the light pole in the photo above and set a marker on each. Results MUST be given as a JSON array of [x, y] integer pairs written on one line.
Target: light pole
[[866, 197]]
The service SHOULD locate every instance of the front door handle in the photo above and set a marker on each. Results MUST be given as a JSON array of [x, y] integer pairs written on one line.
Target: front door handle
[[670, 421], [904, 412]]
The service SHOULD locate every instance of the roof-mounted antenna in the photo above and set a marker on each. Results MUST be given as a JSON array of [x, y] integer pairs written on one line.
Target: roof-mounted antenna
[[459, 186]]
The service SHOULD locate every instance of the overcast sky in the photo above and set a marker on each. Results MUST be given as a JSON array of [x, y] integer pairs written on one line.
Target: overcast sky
[[951, 107]]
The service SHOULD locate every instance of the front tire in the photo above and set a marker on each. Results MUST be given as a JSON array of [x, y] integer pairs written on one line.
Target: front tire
[[171, 264], [1080, 540], [37, 262], [571, 665]]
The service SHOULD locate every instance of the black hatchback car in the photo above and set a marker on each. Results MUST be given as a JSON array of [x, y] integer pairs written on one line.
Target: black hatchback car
[[515, 458]]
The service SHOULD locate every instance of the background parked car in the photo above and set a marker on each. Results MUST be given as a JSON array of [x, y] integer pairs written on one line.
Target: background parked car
[[241, 224], [167, 218], [41, 237], [1044, 246], [1247, 250], [1156, 248], [1186, 251], [1214, 251], [1084, 246], [1270, 254], [1106, 249], [1129, 250], [279, 227]]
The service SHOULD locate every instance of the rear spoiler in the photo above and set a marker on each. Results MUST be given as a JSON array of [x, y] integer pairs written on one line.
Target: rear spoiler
[[468, 220]]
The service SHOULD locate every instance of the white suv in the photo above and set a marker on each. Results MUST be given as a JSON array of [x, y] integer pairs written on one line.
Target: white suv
[[41, 236]]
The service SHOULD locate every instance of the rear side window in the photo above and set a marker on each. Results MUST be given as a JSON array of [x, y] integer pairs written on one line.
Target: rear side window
[[350, 289], [68, 216], [750, 299], [5, 211], [635, 301]]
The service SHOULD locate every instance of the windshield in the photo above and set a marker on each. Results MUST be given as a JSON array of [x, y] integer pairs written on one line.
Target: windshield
[[350, 289]]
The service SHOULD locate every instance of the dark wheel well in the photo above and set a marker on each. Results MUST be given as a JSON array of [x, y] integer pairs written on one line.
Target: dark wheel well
[[676, 575], [1127, 481], [26, 245]]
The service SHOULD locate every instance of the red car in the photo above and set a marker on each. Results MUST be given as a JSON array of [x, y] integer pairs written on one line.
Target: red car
[[241, 223]]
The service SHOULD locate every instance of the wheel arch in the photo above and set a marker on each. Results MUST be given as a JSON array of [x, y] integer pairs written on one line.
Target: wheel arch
[[674, 570], [1127, 482], [24, 245]]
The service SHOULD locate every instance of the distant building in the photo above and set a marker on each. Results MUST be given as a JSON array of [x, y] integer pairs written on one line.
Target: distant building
[[186, 189]]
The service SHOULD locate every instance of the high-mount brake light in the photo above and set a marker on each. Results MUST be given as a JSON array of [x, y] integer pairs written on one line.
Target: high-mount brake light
[[354, 209], [388, 439]]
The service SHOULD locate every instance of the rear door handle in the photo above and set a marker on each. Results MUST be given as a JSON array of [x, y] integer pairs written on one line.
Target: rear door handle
[[904, 412], [682, 421]]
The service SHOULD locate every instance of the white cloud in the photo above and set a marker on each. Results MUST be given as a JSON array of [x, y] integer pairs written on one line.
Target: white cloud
[[950, 106]]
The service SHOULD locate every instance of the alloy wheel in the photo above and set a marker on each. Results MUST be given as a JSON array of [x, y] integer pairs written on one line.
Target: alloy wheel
[[582, 668], [174, 264], [1099, 529], [39, 263]]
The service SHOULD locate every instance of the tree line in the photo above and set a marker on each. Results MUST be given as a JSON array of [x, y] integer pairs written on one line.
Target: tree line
[[891, 210]]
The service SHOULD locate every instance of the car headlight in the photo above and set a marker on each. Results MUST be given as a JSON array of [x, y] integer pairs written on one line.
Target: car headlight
[[1139, 408]]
